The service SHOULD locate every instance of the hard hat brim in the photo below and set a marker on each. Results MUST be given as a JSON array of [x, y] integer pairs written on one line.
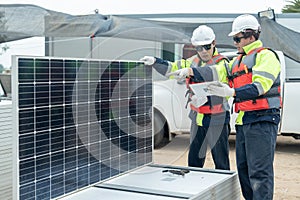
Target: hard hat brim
[[232, 33], [202, 42]]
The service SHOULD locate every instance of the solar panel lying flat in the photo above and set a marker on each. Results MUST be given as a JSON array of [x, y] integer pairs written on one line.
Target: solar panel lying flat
[[78, 122]]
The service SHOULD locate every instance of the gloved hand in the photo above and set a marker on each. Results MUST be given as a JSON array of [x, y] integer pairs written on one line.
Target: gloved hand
[[148, 60], [220, 89], [180, 74], [198, 101]]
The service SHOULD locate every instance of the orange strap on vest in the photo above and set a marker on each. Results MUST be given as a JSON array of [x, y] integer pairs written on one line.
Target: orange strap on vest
[[206, 109]]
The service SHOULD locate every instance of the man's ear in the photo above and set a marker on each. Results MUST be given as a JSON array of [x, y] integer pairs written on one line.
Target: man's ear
[[214, 42], [252, 38]]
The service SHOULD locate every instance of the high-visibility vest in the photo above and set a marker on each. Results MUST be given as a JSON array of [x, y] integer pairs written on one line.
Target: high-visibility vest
[[208, 73], [241, 74]]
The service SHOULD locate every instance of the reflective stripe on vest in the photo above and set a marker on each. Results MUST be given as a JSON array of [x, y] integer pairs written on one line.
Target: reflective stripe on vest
[[214, 104], [242, 75]]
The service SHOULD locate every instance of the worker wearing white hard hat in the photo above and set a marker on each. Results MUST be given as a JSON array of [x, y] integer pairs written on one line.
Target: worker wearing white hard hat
[[244, 23], [254, 76], [210, 116]]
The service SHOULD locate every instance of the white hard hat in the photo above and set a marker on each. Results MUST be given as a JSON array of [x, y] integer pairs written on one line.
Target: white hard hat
[[203, 35], [243, 22]]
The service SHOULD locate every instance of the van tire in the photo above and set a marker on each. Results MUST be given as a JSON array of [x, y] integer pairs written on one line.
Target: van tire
[[160, 130]]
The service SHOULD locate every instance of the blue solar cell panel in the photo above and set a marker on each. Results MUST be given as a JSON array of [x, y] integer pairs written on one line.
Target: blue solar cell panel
[[79, 122]]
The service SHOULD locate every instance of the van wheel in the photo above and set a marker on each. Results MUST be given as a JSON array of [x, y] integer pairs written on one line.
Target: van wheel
[[160, 130]]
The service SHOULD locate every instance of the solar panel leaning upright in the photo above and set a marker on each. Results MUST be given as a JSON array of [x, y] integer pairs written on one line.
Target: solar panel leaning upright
[[78, 122]]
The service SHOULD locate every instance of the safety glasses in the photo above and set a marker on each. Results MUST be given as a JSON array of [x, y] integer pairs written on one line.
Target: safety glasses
[[201, 47], [238, 39]]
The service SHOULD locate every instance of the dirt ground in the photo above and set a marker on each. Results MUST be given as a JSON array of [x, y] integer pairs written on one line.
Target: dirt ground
[[286, 164]]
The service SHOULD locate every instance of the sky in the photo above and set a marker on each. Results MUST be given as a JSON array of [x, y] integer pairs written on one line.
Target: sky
[[154, 6], [106, 7]]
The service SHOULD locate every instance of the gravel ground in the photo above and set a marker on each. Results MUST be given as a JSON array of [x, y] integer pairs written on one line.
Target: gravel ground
[[286, 164]]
